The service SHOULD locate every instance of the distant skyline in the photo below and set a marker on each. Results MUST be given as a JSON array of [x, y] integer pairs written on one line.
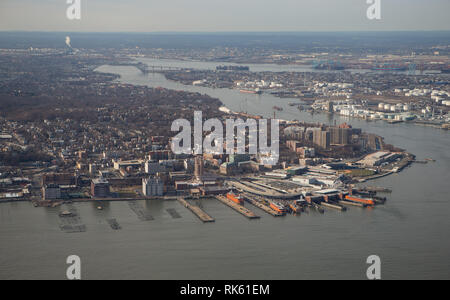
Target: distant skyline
[[223, 16]]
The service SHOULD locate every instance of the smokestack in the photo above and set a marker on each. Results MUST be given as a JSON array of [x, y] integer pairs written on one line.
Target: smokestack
[[68, 42]]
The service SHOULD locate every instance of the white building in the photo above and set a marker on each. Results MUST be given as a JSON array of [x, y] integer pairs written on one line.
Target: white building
[[152, 187]]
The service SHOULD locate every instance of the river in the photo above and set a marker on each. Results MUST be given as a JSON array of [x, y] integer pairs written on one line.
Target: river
[[409, 233]]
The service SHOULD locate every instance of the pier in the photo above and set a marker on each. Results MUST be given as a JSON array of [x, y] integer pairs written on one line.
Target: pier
[[264, 207], [114, 224], [139, 210], [334, 206], [203, 216], [71, 221], [376, 189], [343, 202], [239, 208]]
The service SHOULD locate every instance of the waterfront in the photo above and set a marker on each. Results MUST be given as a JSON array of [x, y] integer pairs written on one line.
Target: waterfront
[[408, 233]]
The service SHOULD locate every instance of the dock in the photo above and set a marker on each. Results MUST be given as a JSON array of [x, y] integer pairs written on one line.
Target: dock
[[264, 207], [377, 189], [334, 206], [343, 202], [239, 208], [203, 216]]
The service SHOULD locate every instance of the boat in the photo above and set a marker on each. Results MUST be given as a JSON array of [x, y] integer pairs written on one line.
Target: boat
[[235, 198], [66, 213], [367, 201], [257, 91], [278, 207], [278, 108]]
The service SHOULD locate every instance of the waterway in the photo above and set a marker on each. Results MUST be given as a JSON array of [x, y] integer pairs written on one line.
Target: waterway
[[409, 233]]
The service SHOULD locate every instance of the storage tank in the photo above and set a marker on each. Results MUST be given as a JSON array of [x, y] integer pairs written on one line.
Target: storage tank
[[406, 107], [393, 108], [387, 107], [381, 106]]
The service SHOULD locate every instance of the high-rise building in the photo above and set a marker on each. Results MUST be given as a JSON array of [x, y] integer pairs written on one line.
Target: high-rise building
[[330, 106], [198, 168], [340, 136], [295, 133], [322, 138]]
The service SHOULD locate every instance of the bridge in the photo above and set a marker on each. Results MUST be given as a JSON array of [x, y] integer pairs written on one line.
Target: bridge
[[153, 68]]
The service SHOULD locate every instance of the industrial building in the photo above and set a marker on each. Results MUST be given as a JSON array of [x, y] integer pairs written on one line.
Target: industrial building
[[378, 158], [100, 188], [51, 192], [152, 187]]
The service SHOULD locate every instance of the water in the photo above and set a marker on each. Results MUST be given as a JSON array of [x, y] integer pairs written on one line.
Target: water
[[409, 233]]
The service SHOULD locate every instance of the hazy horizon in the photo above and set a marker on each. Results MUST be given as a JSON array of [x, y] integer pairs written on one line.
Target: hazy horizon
[[198, 16]]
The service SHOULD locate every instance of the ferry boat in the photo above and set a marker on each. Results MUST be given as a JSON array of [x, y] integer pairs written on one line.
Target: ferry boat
[[236, 198], [67, 213], [367, 201], [256, 91], [278, 207]]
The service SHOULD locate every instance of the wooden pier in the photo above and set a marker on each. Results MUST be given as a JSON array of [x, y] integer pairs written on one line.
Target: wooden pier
[[203, 216], [239, 208]]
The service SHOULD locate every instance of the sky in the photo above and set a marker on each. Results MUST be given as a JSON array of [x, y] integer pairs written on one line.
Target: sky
[[223, 15]]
